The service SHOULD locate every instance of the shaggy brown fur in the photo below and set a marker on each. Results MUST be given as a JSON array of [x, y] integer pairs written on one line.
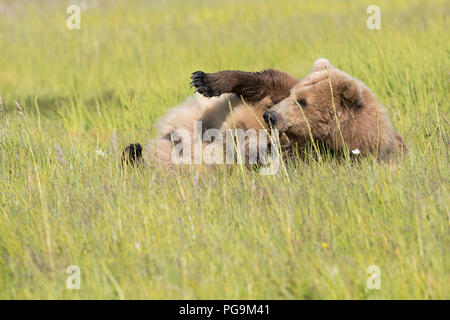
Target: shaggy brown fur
[[303, 110], [252, 86], [350, 119]]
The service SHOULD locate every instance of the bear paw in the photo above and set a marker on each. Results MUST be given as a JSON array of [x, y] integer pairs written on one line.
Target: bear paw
[[132, 155], [202, 84]]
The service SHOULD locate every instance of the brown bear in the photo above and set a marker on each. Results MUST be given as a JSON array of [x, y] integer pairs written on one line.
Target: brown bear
[[223, 100], [333, 109], [302, 110]]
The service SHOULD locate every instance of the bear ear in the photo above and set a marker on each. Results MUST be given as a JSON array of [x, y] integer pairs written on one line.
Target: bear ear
[[321, 64], [350, 93]]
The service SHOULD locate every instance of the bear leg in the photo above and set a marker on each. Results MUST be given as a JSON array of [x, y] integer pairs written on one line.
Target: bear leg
[[252, 86]]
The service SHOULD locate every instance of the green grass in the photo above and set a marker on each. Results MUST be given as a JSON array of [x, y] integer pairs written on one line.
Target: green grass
[[311, 235]]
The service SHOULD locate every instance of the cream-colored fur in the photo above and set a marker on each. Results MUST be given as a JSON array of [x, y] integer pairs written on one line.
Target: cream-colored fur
[[222, 113], [354, 119]]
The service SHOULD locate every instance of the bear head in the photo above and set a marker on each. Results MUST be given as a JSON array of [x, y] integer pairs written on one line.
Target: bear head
[[320, 106]]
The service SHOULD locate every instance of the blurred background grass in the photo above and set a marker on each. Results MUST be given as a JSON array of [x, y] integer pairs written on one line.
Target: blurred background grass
[[86, 93]]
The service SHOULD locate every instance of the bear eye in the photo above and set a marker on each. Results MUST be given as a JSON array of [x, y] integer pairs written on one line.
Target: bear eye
[[302, 102]]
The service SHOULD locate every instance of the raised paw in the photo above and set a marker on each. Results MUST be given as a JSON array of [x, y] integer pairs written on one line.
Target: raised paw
[[202, 83]]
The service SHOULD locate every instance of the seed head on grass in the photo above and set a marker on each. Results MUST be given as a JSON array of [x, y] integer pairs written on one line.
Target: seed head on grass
[[114, 143], [1, 106], [101, 153], [59, 155], [19, 110], [196, 180]]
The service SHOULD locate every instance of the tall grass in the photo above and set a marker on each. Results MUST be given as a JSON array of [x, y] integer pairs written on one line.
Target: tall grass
[[84, 94]]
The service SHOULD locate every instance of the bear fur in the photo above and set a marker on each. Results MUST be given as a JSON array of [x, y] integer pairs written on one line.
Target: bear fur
[[334, 109], [304, 112], [223, 100]]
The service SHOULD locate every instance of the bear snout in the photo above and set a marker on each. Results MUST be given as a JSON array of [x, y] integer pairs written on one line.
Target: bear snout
[[270, 118]]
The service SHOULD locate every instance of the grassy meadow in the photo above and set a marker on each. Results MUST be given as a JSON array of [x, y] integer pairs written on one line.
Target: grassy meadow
[[72, 99]]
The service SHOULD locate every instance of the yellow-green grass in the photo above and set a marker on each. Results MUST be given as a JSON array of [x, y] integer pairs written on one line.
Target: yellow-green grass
[[86, 93]]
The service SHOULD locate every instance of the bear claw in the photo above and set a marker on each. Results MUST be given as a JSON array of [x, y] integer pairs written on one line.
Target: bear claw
[[199, 81], [132, 155]]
